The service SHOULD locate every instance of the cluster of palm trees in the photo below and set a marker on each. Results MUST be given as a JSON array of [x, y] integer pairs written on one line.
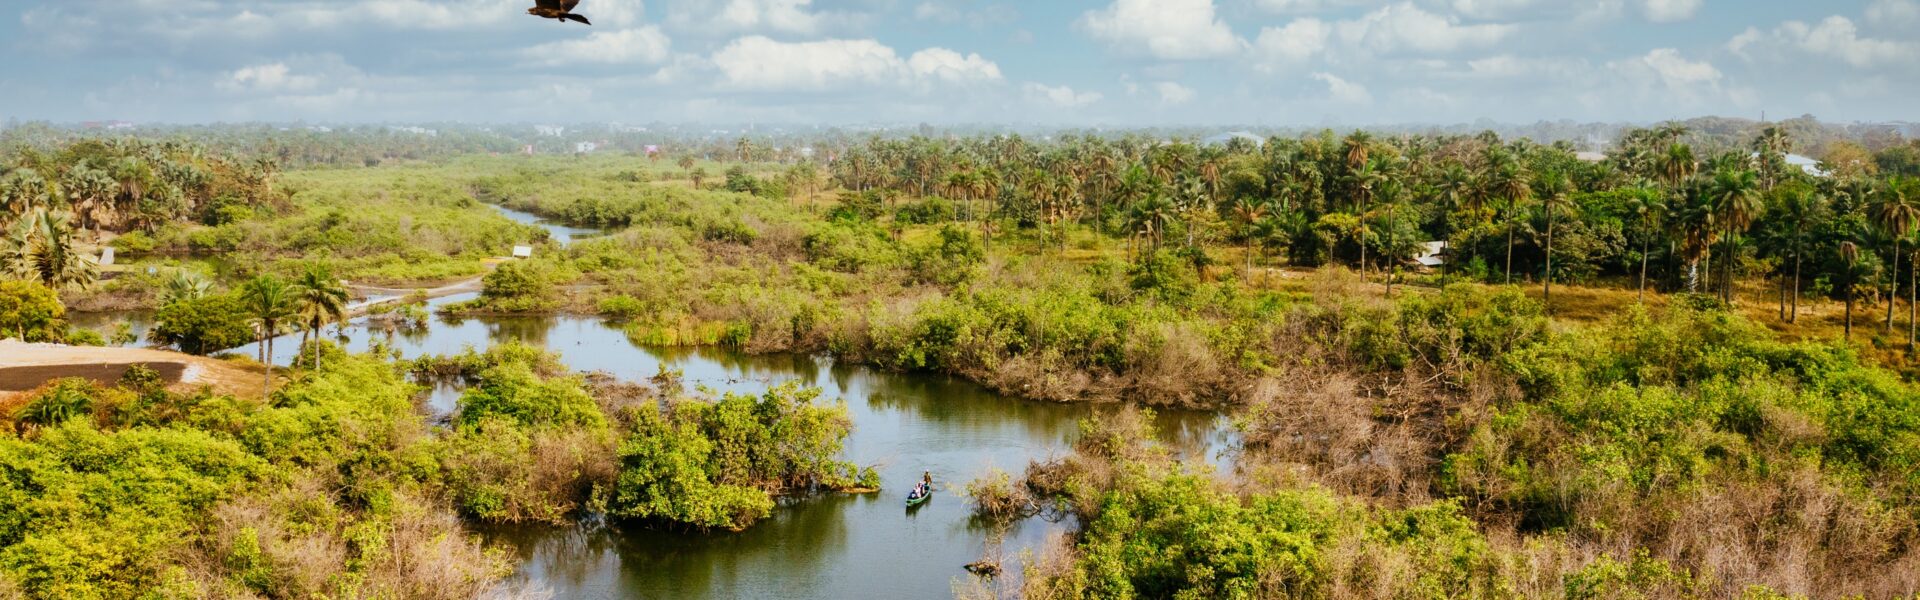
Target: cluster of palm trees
[[52, 197], [274, 306], [1369, 201], [39, 246], [308, 303]]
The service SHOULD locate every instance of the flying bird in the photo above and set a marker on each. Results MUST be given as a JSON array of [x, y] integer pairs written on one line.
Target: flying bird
[[559, 10]]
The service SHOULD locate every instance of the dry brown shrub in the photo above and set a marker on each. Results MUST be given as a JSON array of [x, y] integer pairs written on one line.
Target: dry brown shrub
[[996, 496], [429, 555], [1173, 364], [1794, 532], [617, 397], [1050, 574], [1039, 377]]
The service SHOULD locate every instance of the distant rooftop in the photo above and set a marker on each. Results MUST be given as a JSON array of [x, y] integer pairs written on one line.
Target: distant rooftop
[[1228, 137]]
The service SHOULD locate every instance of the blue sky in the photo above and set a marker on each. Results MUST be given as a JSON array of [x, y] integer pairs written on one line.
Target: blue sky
[[1083, 62]]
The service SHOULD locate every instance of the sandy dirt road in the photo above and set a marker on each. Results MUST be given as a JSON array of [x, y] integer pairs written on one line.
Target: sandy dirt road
[[26, 366]]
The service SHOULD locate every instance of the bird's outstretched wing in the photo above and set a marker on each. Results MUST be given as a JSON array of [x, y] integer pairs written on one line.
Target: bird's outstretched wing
[[574, 17], [568, 5], [548, 4]]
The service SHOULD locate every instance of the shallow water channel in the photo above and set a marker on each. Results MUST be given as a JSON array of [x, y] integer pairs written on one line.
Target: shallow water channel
[[825, 546]]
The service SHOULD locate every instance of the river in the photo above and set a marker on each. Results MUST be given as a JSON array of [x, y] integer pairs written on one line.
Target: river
[[825, 546], [560, 233]]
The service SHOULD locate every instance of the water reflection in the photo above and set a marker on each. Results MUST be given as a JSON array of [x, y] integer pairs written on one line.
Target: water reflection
[[560, 233], [832, 546]]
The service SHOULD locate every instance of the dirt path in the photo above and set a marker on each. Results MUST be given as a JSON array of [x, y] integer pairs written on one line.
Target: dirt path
[[391, 295], [26, 366]]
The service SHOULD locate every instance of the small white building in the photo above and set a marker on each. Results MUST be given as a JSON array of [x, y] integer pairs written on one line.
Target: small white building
[[1432, 254], [523, 251], [1807, 164]]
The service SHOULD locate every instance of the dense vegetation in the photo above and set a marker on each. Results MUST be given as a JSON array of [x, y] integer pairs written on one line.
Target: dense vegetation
[[1680, 454], [1445, 438], [337, 486]]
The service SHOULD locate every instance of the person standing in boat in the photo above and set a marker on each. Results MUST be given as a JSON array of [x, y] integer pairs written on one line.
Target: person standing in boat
[[926, 480]]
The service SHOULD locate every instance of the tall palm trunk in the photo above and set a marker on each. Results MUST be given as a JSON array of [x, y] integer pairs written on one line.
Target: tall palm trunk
[[1849, 333], [1893, 284], [1546, 292], [1248, 273], [1913, 295], [1643, 271], [1387, 265], [266, 385], [1509, 244], [1726, 282], [1793, 312]]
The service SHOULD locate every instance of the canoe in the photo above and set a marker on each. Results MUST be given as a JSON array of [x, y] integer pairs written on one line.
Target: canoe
[[916, 501]]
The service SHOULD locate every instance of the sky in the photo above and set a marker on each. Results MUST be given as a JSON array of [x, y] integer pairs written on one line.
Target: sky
[[953, 62]]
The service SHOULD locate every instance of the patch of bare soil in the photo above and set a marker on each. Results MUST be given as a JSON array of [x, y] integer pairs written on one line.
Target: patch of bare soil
[[25, 366], [20, 379]]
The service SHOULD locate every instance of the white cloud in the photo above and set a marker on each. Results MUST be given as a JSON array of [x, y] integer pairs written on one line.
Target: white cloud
[[1343, 91], [952, 67], [1163, 29], [1309, 6], [1489, 9], [1174, 94], [1894, 13], [760, 63], [1298, 41], [1669, 11], [946, 11], [778, 15], [1405, 27], [1667, 68], [644, 45], [1060, 96], [1508, 66], [1835, 38], [270, 77]]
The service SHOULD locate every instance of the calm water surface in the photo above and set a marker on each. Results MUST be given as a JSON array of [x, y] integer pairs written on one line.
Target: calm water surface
[[561, 233], [825, 546]]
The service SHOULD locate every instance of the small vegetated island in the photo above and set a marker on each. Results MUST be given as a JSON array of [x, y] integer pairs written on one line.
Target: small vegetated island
[[1456, 365]]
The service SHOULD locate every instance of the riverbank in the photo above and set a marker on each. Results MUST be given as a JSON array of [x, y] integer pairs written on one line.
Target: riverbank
[[25, 366]]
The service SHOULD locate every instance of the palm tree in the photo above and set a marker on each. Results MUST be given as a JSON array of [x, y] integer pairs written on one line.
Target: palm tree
[[51, 256], [1647, 209], [1894, 213], [1246, 212], [1513, 182], [184, 286], [1850, 262], [321, 300], [269, 303], [1151, 216], [1364, 183], [1799, 209], [1736, 200], [1456, 191], [1677, 166], [1693, 221], [1358, 148], [1772, 144], [1557, 196]]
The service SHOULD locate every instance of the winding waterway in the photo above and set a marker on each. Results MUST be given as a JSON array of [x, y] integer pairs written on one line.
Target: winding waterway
[[825, 546]]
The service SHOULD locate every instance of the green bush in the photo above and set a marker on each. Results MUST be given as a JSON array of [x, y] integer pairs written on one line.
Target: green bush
[[715, 464], [31, 312], [204, 325]]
